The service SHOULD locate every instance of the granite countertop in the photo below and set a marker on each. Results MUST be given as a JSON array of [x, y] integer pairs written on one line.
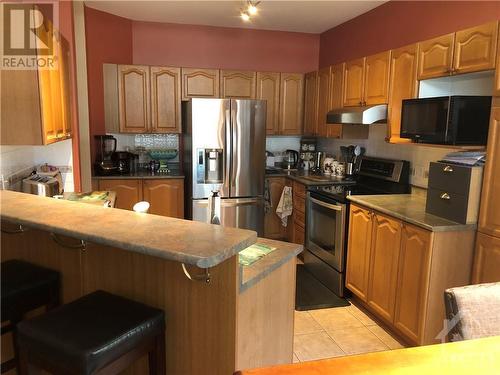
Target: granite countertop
[[305, 177], [409, 208], [250, 275], [190, 242], [142, 174]]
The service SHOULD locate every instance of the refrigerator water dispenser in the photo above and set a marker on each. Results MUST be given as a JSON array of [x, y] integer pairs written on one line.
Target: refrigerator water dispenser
[[210, 166]]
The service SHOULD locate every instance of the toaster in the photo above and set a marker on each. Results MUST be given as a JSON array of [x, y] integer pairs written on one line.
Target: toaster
[[41, 185]]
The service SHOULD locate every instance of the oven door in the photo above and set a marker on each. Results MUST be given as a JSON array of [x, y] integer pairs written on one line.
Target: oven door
[[325, 230]]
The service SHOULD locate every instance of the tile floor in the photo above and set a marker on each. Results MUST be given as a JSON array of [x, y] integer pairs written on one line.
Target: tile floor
[[339, 331]]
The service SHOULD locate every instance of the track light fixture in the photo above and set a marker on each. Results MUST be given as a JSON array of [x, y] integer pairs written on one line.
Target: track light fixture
[[250, 9]]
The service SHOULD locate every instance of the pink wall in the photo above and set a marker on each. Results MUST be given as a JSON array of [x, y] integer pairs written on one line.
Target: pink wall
[[397, 23], [227, 48], [109, 40]]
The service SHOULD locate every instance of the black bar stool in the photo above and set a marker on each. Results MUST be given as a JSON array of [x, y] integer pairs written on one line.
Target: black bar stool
[[100, 333], [25, 287]]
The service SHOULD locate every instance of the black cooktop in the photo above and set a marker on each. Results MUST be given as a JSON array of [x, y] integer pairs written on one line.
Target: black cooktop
[[341, 192]]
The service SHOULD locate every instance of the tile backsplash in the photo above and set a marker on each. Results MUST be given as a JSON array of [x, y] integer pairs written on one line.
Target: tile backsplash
[[128, 142]]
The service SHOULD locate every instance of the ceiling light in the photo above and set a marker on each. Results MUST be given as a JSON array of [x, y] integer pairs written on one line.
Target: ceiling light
[[252, 9], [245, 16]]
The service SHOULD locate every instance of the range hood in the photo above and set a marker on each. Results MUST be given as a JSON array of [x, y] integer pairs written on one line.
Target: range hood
[[358, 115]]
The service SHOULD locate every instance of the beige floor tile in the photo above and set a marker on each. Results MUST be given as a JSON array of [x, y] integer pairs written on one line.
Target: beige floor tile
[[357, 340], [304, 323], [313, 346], [335, 318], [386, 337], [295, 359], [362, 315]]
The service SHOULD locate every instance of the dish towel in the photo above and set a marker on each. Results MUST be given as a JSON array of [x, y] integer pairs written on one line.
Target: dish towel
[[268, 204], [285, 206]]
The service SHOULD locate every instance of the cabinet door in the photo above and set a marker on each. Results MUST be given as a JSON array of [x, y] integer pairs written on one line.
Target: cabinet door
[[165, 99], [384, 254], [311, 103], [475, 48], [486, 260], [237, 85], [336, 97], [496, 88], [291, 103], [376, 88], [358, 253], [200, 83], [413, 281], [324, 100], [272, 223], [165, 196], [353, 83], [435, 57], [66, 96], [268, 89], [403, 84], [133, 98], [489, 214], [298, 234], [128, 191]]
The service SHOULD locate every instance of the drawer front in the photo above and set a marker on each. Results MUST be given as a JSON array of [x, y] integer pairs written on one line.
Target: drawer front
[[300, 218], [450, 177], [299, 189], [299, 204], [447, 205]]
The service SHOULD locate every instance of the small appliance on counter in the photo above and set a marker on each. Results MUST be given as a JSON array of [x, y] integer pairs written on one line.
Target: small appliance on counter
[[45, 181], [290, 160], [104, 164], [124, 161]]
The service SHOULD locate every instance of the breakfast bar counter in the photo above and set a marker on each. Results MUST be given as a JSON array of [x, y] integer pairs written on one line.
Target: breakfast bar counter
[[220, 316]]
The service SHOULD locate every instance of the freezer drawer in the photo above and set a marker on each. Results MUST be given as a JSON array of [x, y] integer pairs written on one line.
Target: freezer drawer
[[244, 213]]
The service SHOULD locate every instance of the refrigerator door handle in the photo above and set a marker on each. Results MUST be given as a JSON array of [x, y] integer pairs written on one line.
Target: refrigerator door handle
[[228, 151], [235, 158]]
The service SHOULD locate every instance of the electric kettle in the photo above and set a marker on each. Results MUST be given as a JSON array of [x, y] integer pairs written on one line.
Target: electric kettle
[[291, 159]]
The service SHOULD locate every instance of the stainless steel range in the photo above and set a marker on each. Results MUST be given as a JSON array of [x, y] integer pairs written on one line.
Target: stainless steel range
[[327, 216]]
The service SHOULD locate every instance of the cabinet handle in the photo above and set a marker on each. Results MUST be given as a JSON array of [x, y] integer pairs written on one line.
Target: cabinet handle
[[81, 246], [20, 229], [445, 196], [204, 277], [448, 169], [360, 104]]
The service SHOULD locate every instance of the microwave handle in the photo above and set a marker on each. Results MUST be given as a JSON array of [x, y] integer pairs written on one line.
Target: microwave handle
[[326, 205]]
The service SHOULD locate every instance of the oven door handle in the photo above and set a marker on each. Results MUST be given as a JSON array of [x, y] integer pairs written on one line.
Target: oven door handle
[[326, 205]]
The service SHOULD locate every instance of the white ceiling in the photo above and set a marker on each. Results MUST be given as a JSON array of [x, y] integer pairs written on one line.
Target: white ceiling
[[283, 15]]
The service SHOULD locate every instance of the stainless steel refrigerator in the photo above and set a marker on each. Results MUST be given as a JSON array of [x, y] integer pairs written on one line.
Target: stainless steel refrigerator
[[224, 152]]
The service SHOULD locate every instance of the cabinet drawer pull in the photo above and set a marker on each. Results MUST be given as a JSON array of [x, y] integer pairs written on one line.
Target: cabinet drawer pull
[[203, 277], [448, 169], [445, 196], [81, 246], [20, 229]]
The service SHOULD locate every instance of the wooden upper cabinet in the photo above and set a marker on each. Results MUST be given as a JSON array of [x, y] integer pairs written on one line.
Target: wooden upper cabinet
[[358, 253], [200, 83], [165, 100], [128, 191], [413, 281], [476, 48], [403, 84], [336, 97], [489, 214], [311, 103], [65, 82], [486, 260], [435, 57], [384, 256], [496, 88], [268, 89], [237, 84], [291, 103], [324, 100], [133, 98], [165, 196], [354, 82], [376, 80]]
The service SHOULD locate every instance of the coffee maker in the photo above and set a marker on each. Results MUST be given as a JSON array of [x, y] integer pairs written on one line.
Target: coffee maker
[[104, 163]]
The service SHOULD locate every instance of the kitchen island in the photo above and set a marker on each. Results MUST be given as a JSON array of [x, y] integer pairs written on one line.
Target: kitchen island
[[220, 316]]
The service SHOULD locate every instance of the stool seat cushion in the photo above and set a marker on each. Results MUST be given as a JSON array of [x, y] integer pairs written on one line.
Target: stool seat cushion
[[91, 332], [26, 286]]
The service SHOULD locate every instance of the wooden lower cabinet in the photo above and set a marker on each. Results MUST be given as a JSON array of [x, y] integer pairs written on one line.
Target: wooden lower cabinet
[[358, 254], [272, 223], [413, 281], [383, 273], [399, 271], [128, 191], [487, 259], [299, 209], [165, 196]]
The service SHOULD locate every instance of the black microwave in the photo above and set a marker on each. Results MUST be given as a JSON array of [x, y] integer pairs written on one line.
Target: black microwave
[[447, 120]]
